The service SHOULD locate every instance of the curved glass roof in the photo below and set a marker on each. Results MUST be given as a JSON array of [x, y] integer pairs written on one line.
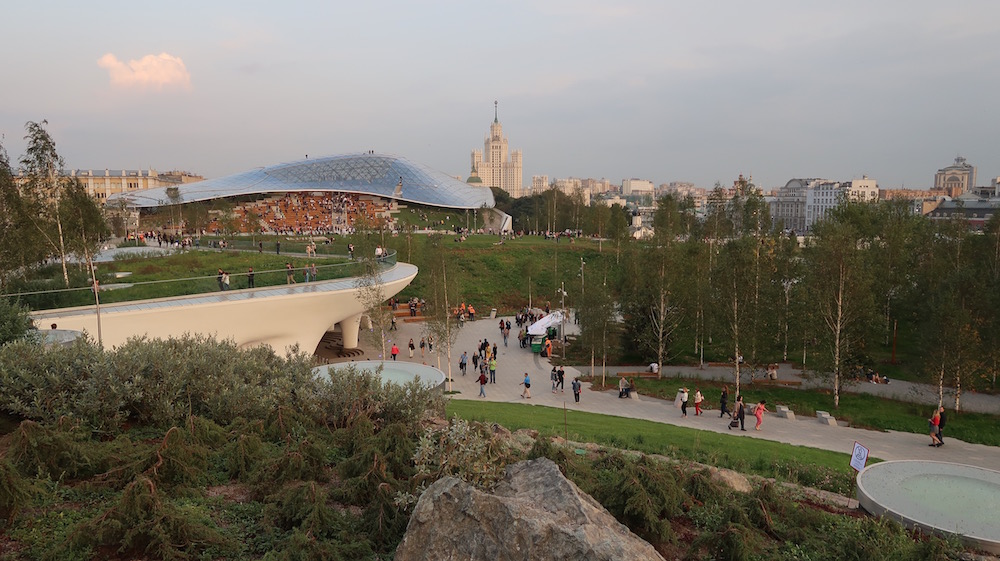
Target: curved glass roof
[[383, 175]]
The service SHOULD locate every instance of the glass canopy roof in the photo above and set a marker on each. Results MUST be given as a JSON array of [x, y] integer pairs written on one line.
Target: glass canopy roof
[[383, 175]]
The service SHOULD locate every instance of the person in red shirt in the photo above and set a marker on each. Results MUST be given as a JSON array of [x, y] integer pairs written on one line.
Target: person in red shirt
[[482, 384], [394, 351]]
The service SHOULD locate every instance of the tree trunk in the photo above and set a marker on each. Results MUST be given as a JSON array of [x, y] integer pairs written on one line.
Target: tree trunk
[[941, 384], [736, 340], [958, 388], [62, 247], [837, 336]]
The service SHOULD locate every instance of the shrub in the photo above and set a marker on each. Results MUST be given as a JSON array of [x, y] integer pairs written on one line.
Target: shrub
[[53, 453], [15, 492], [143, 522]]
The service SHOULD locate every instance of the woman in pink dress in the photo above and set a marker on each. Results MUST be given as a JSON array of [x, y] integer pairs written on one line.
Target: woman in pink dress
[[759, 412]]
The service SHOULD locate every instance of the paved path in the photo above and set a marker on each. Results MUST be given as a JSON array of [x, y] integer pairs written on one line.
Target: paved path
[[513, 362]]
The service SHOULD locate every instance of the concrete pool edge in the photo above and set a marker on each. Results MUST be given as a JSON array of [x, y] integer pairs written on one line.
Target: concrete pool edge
[[870, 504], [430, 376]]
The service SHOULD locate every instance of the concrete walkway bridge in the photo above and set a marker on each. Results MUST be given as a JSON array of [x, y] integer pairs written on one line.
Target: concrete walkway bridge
[[279, 316]]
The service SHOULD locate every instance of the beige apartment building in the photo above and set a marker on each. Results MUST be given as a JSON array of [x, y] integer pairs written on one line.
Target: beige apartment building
[[101, 184], [495, 165]]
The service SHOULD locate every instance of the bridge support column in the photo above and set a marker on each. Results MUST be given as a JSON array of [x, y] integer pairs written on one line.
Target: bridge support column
[[349, 328]]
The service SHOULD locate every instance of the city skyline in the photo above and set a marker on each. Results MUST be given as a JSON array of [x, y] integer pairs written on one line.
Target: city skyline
[[664, 92]]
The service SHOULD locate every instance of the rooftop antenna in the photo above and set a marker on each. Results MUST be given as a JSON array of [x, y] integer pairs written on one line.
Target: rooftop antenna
[[496, 112]]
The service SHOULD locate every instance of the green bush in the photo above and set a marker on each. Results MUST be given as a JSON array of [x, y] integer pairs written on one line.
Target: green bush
[[144, 522], [15, 492]]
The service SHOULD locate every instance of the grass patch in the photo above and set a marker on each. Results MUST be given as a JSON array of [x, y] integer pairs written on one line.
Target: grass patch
[[822, 469]]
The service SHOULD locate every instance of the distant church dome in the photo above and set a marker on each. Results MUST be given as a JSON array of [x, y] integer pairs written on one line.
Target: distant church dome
[[474, 178]]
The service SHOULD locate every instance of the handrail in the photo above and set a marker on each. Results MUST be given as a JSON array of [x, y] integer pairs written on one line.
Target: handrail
[[386, 261]]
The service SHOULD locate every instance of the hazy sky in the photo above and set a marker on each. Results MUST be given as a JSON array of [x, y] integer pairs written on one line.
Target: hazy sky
[[665, 91]]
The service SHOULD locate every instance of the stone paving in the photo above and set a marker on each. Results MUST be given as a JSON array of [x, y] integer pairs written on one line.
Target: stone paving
[[513, 362]]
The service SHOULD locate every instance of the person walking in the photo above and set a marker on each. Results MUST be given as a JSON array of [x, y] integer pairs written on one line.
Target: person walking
[[527, 387], [482, 385], [394, 351], [935, 423], [463, 362], [942, 419], [493, 370], [740, 412], [412, 347], [250, 277], [724, 403], [423, 343], [698, 398], [392, 325], [430, 343], [475, 361], [759, 411], [553, 377], [577, 386], [684, 402], [218, 279], [225, 280], [289, 274]]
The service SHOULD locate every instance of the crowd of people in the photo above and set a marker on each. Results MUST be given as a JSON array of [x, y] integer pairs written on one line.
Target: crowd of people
[[306, 214]]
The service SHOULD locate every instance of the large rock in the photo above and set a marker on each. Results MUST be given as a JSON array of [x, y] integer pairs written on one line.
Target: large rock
[[535, 513]]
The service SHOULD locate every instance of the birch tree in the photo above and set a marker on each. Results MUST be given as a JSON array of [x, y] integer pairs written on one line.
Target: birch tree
[[840, 288], [43, 189]]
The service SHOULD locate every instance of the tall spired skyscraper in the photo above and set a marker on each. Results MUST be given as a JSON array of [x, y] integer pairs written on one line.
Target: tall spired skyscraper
[[500, 167]]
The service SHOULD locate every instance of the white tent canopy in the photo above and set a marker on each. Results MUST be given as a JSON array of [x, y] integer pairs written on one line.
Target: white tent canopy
[[539, 327]]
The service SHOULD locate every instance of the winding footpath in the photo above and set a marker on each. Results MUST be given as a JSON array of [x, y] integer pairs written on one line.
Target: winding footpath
[[513, 362]]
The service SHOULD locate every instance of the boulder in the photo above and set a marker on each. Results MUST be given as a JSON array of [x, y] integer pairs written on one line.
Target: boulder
[[734, 480], [534, 513]]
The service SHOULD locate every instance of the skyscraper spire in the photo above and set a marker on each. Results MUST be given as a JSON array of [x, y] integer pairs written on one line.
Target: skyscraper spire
[[496, 112]]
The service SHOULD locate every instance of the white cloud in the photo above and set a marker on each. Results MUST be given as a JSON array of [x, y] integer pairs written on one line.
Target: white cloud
[[151, 71]]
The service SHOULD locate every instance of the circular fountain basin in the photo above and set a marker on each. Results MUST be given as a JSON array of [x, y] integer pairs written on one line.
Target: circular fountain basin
[[392, 371], [939, 497]]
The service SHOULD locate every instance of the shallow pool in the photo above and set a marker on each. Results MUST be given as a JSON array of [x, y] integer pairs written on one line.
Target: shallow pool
[[392, 371], [939, 496]]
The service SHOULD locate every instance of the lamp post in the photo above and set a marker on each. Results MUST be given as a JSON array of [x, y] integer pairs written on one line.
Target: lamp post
[[582, 289], [562, 317]]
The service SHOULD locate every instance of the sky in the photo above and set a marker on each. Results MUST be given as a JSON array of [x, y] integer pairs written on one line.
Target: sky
[[657, 90]]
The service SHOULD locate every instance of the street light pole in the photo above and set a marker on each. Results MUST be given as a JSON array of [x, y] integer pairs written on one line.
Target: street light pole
[[582, 289], [562, 318]]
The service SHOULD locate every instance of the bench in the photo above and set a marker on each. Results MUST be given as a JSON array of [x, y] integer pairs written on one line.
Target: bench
[[784, 412], [643, 374], [824, 418]]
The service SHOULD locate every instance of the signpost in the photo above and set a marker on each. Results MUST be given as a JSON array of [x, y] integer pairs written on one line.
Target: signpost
[[859, 457]]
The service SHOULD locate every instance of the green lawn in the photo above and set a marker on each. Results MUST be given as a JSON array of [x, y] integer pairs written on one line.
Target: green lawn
[[807, 466], [861, 410]]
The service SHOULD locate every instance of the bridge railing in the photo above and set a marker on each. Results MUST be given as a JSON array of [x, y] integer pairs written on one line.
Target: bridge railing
[[124, 290]]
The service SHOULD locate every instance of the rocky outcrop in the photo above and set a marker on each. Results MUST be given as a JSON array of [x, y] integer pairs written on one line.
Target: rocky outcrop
[[534, 513]]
